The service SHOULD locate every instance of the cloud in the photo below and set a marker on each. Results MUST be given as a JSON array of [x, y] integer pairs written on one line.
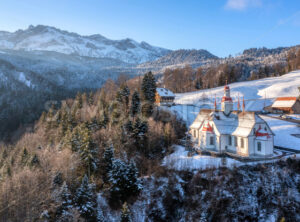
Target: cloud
[[242, 4]]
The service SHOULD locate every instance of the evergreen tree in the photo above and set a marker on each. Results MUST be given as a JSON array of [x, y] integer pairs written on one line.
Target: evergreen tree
[[140, 129], [108, 158], [136, 186], [149, 87], [135, 104], [85, 200], [123, 96], [123, 180], [62, 211], [88, 151], [125, 216]]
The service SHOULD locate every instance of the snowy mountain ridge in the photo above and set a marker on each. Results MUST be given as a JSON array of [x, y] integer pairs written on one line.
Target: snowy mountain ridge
[[46, 38]]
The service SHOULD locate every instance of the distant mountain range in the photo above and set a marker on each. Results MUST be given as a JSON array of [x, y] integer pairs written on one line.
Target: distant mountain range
[[45, 38]]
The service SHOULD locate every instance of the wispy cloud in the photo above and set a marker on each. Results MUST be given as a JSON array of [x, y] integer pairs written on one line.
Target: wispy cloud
[[241, 5]]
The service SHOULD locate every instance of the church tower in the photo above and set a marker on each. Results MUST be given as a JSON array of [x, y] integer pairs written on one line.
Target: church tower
[[227, 104]]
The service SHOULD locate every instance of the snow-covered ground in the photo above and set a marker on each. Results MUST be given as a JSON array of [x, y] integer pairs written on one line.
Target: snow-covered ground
[[179, 160], [284, 133], [254, 92]]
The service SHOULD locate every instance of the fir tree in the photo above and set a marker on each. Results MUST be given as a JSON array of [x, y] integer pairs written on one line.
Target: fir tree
[[123, 180], [123, 96], [149, 87], [125, 216], [85, 200], [66, 203], [135, 104], [133, 178], [108, 158], [140, 129], [88, 151]]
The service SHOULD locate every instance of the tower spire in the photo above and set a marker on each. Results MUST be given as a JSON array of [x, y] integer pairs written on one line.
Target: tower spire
[[215, 102], [227, 104]]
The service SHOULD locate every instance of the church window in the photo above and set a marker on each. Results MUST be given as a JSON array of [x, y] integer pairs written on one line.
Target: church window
[[211, 142], [242, 143], [230, 141], [235, 141], [258, 146]]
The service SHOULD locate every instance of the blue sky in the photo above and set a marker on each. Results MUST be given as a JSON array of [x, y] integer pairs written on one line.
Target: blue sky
[[222, 27]]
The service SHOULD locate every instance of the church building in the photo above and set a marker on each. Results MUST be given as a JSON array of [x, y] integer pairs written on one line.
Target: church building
[[237, 133]]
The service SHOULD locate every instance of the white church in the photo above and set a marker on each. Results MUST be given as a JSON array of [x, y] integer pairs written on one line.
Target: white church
[[238, 133]]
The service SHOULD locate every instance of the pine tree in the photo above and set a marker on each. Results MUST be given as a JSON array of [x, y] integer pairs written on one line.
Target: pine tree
[[123, 180], [123, 96], [133, 178], [85, 200], [66, 203], [108, 158], [88, 151], [125, 216], [149, 87], [140, 129], [135, 104]]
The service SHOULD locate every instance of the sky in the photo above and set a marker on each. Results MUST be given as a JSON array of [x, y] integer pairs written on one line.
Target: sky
[[223, 27]]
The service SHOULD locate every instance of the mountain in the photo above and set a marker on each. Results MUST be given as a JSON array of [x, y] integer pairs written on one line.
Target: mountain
[[45, 38], [180, 58]]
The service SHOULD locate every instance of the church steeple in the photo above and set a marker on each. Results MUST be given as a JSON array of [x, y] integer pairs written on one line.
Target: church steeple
[[227, 104]]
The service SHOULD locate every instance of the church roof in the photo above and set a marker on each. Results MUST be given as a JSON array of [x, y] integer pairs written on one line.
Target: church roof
[[236, 123]]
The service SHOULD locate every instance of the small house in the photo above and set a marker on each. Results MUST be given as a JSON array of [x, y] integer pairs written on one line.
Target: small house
[[164, 97], [290, 105]]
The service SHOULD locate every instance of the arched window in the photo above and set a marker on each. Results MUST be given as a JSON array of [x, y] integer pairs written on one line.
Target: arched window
[[242, 142], [230, 140]]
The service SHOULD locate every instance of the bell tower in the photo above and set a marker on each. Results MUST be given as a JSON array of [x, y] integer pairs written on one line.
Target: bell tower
[[227, 104]]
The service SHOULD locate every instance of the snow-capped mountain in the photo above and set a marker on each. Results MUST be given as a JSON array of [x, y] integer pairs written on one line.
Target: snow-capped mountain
[[45, 38]]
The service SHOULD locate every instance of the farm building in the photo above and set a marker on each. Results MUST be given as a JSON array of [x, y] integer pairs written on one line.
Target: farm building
[[238, 133], [164, 96], [289, 105]]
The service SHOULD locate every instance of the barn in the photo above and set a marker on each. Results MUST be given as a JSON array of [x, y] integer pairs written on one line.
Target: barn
[[164, 96], [290, 105]]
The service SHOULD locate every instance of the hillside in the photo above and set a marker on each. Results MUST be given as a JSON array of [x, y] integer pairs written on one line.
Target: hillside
[[101, 157], [255, 92]]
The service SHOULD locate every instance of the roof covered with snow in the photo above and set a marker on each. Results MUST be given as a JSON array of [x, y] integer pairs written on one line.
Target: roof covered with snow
[[236, 123], [284, 102], [163, 92]]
